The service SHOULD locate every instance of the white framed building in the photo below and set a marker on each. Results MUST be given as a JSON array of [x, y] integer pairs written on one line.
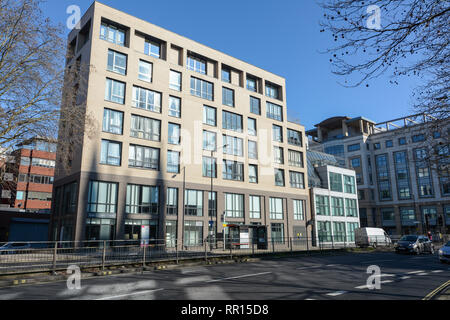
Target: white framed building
[[334, 200]]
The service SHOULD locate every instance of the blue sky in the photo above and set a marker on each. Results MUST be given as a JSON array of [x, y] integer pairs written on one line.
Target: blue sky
[[279, 36]]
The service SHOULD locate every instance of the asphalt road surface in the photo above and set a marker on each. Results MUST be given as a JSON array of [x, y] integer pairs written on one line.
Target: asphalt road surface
[[338, 277]]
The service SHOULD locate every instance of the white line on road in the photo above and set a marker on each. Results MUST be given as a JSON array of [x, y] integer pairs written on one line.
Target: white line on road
[[335, 294], [422, 274], [367, 287], [238, 277], [129, 294], [185, 281], [405, 277], [415, 272], [438, 271]]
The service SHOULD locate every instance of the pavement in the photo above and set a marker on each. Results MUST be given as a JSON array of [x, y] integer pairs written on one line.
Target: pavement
[[327, 277]]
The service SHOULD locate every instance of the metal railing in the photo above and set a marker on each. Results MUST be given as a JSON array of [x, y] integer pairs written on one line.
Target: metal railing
[[30, 257]]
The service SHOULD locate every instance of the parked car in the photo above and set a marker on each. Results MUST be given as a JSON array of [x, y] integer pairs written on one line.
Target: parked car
[[372, 237], [444, 253], [14, 247], [414, 244]]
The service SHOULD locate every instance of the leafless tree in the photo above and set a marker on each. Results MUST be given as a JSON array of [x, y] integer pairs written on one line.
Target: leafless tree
[[32, 78], [412, 39]]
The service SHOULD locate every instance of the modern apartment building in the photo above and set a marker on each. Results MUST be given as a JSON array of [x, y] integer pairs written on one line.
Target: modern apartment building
[[191, 143], [334, 200], [402, 187], [27, 181]]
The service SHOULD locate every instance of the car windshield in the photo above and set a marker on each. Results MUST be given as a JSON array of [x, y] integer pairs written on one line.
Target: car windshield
[[409, 238]]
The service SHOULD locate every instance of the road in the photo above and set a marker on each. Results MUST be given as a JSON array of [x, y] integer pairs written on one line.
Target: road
[[338, 277]]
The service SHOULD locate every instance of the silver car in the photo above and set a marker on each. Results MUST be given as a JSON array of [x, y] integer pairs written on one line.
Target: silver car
[[444, 253]]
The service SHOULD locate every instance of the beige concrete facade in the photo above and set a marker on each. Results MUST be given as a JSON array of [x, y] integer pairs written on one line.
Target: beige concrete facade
[[90, 49]]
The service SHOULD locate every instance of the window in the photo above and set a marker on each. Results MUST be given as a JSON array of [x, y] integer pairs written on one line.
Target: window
[[117, 62], [228, 97], [145, 128], [173, 162], [209, 168], [294, 138], [194, 203], [252, 131], [277, 230], [384, 184], [255, 106], [322, 205], [402, 175], [274, 111], [234, 146], [255, 207], [253, 150], [174, 107], [145, 71], [233, 170], [354, 147], [175, 80], [388, 215], [418, 138], [142, 200], [407, 215], [349, 184], [113, 121], [193, 233], [423, 173], [20, 195], [389, 144], [201, 88], [174, 136], [111, 153], [437, 135], [44, 163], [209, 116], [144, 157], [253, 173], [351, 227], [226, 75], [276, 209], [232, 121], [278, 155], [252, 84], [212, 204], [209, 141], [295, 158], [351, 208], [38, 179], [146, 99], [112, 34], [234, 205], [277, 133], [152, 48], [339, 231], [335, 182], [196, 64], [299, 210], [272, 90], [172, 201], [337, 207], [377, 146], [102, 197], [115, 91], [402, 141], [297, 180], [356, 163], [279, 178]]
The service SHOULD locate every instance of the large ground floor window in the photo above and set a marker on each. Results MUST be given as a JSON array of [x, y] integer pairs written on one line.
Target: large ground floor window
[[100, 229], [278, 233], [193, 233]]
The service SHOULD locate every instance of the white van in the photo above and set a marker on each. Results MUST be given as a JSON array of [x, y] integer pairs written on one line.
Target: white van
[[372, 237]]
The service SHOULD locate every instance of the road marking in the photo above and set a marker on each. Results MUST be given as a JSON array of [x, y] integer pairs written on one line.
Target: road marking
[[367, 287], [185, 281], [239, 277], [335, 294], [438, 271], [415, 272], [422, 274], [129, 294], [405, 277]]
